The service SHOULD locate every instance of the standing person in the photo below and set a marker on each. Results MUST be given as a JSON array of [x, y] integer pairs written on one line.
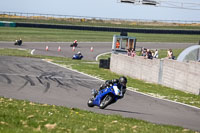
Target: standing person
[[117, 44], [156, 54]]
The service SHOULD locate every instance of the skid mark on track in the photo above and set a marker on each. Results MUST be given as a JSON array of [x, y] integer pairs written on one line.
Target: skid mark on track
[[28, 80], [9, 81], [21, 67], [45, 79], [36, 68]]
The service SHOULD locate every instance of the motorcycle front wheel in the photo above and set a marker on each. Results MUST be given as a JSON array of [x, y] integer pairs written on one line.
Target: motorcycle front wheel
[[106, 101], [90, 103]]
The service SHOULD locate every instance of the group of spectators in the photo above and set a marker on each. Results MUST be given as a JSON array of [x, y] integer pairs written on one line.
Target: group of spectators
[[150, 54]]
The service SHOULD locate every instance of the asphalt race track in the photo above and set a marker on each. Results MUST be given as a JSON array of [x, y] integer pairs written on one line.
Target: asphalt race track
[[39, 81], [84, 47]]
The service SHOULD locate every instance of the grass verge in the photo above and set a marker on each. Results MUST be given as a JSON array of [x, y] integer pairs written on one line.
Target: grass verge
[[23, 116], [64, 35]]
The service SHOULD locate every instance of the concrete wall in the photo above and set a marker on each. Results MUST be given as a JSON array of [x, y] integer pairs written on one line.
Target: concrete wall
[[178, 75]]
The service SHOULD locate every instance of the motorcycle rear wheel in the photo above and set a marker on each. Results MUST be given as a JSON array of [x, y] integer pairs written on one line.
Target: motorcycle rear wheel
[[106, 101]]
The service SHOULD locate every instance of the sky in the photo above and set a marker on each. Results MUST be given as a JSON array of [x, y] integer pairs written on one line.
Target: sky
[[101, 8]]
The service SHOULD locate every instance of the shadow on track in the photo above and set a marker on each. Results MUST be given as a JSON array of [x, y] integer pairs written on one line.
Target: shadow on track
[[124, 111]]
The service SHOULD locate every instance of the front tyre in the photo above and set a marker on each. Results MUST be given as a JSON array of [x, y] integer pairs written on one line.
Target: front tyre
[[90, 103], [106, 101]]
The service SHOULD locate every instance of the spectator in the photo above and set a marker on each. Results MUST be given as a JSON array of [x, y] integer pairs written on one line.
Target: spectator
[[117, 44], [133, 53], [149, 54], [129, 52], [170, 54], [143, 51], [156, 54]]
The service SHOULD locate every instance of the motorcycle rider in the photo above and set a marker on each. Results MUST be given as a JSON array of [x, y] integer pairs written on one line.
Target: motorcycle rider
[[120, 83], [79, 54], [18, 42], [75, 44]]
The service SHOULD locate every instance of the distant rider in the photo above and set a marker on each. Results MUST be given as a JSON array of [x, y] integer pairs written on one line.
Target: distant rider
[[79, 54], [75, 44], [18, 42]]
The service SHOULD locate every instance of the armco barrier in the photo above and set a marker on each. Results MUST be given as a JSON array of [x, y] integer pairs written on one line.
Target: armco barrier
[[109, 29], [183, 76]]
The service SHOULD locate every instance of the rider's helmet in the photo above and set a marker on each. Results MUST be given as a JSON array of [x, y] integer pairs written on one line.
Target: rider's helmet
[[75, 41], [108, 83], [123, 80], [79, 52]]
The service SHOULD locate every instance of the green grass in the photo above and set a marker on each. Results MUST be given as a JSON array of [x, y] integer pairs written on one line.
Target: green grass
[[23, 116], [64, 35]]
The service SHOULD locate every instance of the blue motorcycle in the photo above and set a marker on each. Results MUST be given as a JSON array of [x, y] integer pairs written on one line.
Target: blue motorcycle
[[105, 97], [77, 57]]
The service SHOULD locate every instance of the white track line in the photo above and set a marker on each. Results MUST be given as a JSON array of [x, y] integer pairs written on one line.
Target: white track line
[[32, 51], [73, 70], [127, 87], [101, 55]]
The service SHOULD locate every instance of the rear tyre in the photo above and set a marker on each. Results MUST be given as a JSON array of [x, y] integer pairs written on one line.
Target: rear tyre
[[106, 101], [90, 103]]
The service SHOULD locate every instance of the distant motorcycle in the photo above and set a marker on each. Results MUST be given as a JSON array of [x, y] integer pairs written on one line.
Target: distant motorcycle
[[77, 57], [74, 45], [104, 97], [18, 42]]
